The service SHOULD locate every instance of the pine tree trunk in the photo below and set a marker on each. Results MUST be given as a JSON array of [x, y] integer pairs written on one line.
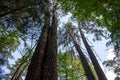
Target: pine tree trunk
[[49, 68], [99, 71], [34, 69], [88, 71]]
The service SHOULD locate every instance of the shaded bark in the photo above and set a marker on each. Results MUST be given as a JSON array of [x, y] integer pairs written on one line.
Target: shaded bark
[[34, 69], [49, 68], [99, 71], [88, 71]]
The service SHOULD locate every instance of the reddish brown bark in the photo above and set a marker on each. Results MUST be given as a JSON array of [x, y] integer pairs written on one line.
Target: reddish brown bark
[[34, 69], [99, 71], [49, 68], [88, 71]]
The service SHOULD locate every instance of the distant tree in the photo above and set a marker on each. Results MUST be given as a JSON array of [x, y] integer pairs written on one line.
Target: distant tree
[[99, 71], [88, 71]]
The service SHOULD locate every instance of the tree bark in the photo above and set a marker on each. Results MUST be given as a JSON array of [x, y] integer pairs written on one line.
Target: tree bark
[[99, 71], [49, 68], [88, 71], [34, 69]]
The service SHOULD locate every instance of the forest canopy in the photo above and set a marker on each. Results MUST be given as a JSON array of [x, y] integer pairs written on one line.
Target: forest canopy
[[49, 49]]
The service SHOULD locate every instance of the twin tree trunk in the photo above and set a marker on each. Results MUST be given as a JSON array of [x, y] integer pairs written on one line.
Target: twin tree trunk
[[43, 64], [49, 67], [100, 73], [34, 69], [88, 71]]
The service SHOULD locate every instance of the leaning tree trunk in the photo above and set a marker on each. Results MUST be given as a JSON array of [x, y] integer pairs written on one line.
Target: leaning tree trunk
[[88, 71], [49, 68], [20, 70], [99, 71], [34, 69], [22, 66]]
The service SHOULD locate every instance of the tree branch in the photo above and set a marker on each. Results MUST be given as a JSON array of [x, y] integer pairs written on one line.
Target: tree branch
[[12, 11]]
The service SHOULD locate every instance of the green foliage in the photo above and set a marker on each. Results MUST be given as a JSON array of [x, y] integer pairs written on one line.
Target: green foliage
[[70, 67], [105, 13], [16, 20], [9, 42], [19, 69], [22, 14], [79, 8]]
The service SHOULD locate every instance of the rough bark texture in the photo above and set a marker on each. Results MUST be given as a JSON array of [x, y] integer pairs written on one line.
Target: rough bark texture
[[88, 71], [49, 68], [99, 71], [34, 69]]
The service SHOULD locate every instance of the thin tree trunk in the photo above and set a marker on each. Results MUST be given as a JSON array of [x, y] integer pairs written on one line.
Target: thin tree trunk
[[22, 66], [88, 71], [99, 71], [19, 71], [49, 68], [34, 69]]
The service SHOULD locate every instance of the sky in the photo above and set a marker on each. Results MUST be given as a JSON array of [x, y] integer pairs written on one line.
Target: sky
[[110, 74]]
